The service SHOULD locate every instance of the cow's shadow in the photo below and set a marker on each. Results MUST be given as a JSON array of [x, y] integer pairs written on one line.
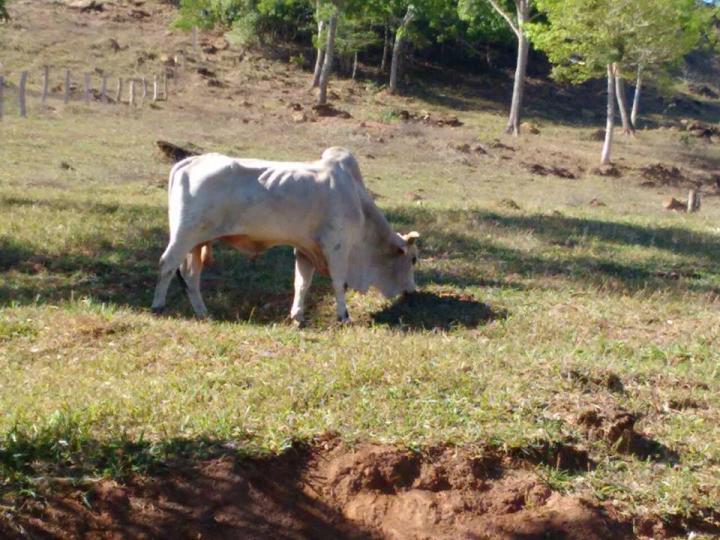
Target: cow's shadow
[[430, 311]]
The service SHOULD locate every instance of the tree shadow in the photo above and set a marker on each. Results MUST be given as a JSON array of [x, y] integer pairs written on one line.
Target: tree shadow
[[429, 311], [563, 235]]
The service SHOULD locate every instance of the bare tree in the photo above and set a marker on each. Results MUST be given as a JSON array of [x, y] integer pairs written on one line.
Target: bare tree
[[327, 64], [628, 128], [397, 47], [320, 51], [636, 97], [522, 9], [610, 124]]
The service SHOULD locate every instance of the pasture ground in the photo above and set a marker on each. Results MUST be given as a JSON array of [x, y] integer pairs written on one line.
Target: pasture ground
[[557, 374]]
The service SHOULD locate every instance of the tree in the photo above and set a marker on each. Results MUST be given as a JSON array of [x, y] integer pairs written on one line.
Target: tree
[[400, 34], [328, 61], [672, 29], [470, 9], [586, 40], [4, 15]]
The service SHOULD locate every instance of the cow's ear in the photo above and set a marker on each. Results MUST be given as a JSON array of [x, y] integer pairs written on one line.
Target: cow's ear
[[411, 237]]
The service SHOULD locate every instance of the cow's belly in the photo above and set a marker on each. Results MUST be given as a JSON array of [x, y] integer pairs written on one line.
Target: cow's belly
[[254, 247]]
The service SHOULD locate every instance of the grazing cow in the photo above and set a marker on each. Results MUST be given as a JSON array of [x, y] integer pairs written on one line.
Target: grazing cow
[[321, 208]]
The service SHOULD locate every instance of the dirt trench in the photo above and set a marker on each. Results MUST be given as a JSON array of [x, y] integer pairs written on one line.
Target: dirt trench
[[325, 490]]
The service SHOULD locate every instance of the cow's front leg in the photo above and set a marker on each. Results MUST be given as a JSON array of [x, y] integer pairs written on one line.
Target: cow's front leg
[[304, 271]]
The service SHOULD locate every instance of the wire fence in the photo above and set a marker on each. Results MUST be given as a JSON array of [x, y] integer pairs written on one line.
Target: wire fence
[[88, 87]]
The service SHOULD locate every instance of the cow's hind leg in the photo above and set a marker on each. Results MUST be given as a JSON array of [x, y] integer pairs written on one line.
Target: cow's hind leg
[[304, 271], [190, 271], [169, 263]]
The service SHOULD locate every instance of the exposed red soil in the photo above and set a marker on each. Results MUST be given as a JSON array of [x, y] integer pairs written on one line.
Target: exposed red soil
[[327, 490]]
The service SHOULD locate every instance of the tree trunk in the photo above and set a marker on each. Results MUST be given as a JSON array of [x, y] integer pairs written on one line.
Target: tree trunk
[[513, 125], [628, 129], [355, 63], [610, 125], [397, 48], [320, 56], [327, 64], [386, 48], [636, 98]]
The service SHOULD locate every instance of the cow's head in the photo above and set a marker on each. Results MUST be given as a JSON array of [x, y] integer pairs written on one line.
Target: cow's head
[[398, 274]]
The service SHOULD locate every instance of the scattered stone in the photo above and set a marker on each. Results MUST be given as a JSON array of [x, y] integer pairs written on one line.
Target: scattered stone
[[509, 203], [175, 153], [329, 110], [86, 5], [464, 148], [497, 145], [295, 106], [671, 203], [299, 117], [205, 72], [542, 170], [529, 127], [666, 175], [139, 14], [64, 165], [480, 149], [607, 170], [221, 44], [596, 203]]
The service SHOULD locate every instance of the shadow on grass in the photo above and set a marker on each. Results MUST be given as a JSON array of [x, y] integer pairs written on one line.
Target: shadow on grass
[[428, 311], [122, 270], [564, 256], [183, 488]]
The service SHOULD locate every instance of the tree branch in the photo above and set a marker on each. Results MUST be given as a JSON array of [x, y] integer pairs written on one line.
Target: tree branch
[[505, 16]]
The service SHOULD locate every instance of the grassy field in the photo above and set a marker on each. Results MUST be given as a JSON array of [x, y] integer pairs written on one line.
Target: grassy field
[[544, 319]]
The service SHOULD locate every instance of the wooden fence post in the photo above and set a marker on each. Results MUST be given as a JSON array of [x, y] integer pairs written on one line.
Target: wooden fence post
[[23, 84], [693, 202], [67, 86], [103, 89], [155, 88], [131, 98], [46, 84], [2, 92], [87, 88], [118, 94]]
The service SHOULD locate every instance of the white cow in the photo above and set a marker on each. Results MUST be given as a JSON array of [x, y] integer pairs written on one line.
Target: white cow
[[321, 208]]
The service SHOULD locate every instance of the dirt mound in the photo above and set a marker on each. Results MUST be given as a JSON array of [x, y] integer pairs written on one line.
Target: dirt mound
[[327, 490], [426, 118], [550, 170], [659, 174]]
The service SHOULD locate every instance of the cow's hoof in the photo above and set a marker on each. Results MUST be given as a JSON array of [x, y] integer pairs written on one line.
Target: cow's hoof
[[344, 319], [158, 310]]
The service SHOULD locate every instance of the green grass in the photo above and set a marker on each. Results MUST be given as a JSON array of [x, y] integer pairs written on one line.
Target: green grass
[[525, 314]]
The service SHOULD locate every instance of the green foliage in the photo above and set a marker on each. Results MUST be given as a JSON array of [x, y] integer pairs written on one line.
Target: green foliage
[[250, 20], [581, 38], [4, 15], [484, 23]]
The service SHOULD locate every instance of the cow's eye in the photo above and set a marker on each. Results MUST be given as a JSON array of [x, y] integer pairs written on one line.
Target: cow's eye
[[414, 260]]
